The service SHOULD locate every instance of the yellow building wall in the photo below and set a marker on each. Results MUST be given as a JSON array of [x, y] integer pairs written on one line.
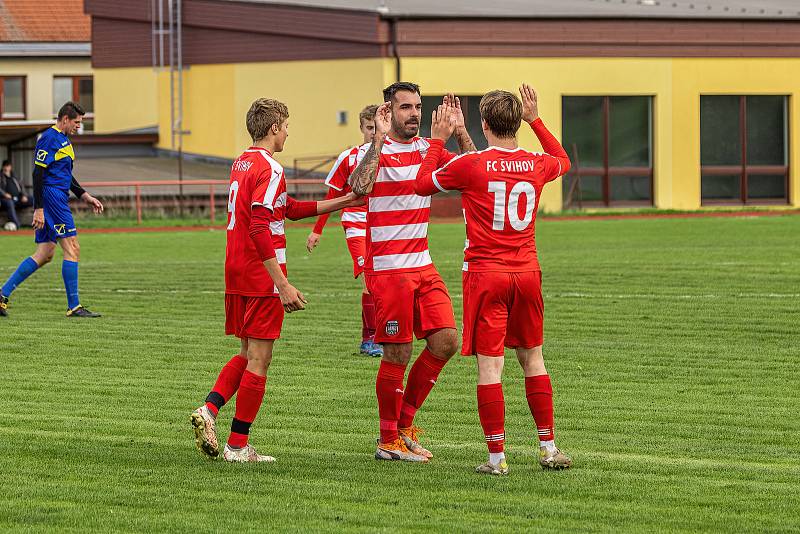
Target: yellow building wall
[[676, 85], [216, 99], [695, 77], [553, 78], [125, 99], [39, 74], [208, 111]]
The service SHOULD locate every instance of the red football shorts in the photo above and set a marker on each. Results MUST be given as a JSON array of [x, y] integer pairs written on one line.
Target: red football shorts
[[358, 251], [502, 309], [409, 304], [255, 317]]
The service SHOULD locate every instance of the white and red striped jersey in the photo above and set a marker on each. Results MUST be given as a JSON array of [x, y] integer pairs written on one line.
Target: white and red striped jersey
[[397, 218], [256, 180], [354, 220]]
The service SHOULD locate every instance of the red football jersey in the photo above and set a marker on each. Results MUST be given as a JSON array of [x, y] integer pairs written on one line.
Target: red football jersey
[[354, 220], [500, 191], [256, 180]]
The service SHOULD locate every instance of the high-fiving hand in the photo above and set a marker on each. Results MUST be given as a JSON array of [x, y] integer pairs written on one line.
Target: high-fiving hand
[[443, 122], [455, 104], [530, 105]]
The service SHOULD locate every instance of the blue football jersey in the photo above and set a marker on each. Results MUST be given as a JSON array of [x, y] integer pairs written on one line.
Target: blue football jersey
[[54, 152]]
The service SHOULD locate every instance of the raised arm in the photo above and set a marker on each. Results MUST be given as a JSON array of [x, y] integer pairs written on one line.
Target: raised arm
[[558, 162], [363, 178], [465, 143], [443, 122]]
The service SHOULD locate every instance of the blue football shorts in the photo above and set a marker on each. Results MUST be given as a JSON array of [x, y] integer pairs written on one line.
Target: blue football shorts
[[58, 221]]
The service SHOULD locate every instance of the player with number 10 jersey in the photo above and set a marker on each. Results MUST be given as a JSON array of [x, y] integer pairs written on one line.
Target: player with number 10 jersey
[[500, 190]]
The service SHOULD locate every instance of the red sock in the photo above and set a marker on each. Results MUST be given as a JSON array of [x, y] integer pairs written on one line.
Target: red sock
[[367, 317], [248, 401], [227, 383], [421, 380], [539, 392], [389, 388], [492, 412]]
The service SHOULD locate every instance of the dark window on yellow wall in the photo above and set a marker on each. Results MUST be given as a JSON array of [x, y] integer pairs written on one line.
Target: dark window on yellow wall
[[472, 118], [743, 149], [78, 89], [12, 97], [610, 142]]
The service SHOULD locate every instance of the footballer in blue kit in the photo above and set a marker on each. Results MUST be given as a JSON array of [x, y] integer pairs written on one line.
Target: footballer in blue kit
[[52, 218]]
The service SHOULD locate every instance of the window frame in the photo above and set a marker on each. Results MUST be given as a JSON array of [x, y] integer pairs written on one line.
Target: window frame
[[18, 117], [76, 79], [743, 169], [606, 171]]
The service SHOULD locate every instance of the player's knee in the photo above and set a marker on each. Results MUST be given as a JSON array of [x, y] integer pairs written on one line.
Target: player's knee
[[445, 344], [532, 360], [490, 369], [259, 356], [43, 257], [397, 353]]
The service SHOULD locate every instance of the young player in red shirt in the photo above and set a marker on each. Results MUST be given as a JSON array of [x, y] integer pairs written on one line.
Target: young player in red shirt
[[500, 190], [256, 289], [354, 224], [410, 296]]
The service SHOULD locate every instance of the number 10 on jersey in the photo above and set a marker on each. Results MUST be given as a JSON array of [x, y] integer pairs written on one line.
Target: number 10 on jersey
[[501, 207]]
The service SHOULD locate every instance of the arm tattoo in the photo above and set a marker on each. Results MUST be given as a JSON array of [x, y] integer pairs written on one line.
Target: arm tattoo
[[465, 143], [363, 178]]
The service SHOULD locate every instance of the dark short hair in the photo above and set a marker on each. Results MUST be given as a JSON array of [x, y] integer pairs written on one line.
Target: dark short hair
[[392, 90], [71, 110], [5, 162], [502, 112]]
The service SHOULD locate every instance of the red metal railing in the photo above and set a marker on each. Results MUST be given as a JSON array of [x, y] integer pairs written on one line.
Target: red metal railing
[[212, 185]]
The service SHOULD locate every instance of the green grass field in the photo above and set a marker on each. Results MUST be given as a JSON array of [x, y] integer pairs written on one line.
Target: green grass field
[[673, 347]]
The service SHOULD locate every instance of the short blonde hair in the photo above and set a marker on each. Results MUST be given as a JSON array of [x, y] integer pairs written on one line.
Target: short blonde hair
[[368, 113], [502, 112], [263, 113]]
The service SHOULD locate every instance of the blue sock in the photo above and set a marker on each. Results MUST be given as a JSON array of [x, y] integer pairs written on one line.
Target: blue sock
[[69, 272], [25, 269]]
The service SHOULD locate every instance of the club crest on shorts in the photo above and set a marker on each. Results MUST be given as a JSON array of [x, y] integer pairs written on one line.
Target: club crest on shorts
[[360, 261], [392, 328]]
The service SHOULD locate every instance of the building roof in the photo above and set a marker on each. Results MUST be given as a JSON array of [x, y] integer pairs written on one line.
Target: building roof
[[43, 21], [670, 9]]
